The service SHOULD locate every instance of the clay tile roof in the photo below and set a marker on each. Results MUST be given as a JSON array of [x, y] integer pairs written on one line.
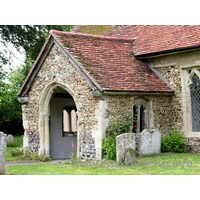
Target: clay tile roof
[[110, 62], [158, 38], [107, 30], [150, 38]]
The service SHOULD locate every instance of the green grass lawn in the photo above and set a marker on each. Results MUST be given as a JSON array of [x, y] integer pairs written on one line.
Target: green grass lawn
[[166, 165], [18, 143], [162, 164]]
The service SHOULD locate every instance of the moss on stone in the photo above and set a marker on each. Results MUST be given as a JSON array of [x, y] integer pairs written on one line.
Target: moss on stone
[[98, 29]]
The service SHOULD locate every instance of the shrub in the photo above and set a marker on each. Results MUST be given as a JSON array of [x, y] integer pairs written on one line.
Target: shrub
[[116, 127], [174, 142], [109, 147], [36, 157], [16, 153]]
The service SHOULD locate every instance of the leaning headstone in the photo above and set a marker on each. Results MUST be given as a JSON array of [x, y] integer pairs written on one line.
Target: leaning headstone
[[2, 152], [10, 139], [150, 142], [125, 147]]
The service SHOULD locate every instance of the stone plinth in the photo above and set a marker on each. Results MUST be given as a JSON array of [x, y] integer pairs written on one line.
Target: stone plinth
[[150, 142], [125, 147], [2, 152]]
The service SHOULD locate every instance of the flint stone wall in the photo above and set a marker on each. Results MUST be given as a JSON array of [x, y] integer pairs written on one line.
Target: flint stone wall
[[125, 147], [161, 107], [173, 76], [149, 142], [2, 152], [173, 67], [194, 143]]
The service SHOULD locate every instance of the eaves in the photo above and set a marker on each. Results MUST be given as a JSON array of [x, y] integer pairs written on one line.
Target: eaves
[[167, 52]]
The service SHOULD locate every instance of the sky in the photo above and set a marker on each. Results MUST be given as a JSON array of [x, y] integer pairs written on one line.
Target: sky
[[15, 60], [143, 12]]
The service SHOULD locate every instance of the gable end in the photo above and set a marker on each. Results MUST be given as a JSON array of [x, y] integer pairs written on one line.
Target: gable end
[[70, 58], [36, 67], [40, 60]]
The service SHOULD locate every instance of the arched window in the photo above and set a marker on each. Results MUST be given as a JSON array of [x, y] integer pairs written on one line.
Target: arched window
[[69, 121], [140, 115], [195, 103], [191, 100]]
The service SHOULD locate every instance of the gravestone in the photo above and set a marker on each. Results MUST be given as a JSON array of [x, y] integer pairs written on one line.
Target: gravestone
[[125, 147], [2, 152], [130, 156], [150, 142], [9, 139]]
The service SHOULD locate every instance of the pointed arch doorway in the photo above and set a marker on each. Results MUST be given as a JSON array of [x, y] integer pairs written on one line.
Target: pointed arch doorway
[[57, 122], [63, 131]]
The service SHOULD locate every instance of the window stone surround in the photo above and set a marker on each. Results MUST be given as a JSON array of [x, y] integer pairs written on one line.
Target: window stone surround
[[175, 69], [187, 74], [148, 114]]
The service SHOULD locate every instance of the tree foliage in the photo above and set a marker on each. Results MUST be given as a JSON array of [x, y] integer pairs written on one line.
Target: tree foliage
[[30, 39], [10, 108]]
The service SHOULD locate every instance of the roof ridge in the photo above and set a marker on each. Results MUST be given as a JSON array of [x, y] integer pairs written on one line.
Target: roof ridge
[[93, 36]]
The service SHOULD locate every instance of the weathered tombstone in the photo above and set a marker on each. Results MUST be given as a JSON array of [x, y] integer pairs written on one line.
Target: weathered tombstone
[[150, 142], [2, 152], [125, 147], [9, 139], [130, 156]]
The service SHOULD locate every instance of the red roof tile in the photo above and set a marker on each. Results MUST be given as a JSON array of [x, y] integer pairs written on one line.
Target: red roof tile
[[93, 36], [153, 38], [108, 63]]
